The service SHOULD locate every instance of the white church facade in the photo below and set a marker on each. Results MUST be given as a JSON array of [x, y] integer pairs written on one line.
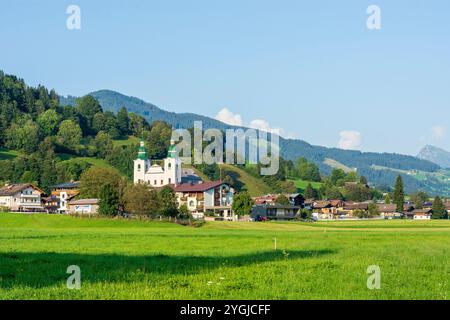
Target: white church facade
[[146, 171], [199, 197]]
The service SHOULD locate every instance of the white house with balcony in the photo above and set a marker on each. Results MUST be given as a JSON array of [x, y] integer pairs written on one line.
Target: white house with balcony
[[21, 197], [214, 196], [154, 174]]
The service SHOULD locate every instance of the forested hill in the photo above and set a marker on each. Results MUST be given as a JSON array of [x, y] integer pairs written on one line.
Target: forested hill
[[380, 168]]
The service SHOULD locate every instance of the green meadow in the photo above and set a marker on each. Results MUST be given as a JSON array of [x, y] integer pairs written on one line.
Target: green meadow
[[122, 259]]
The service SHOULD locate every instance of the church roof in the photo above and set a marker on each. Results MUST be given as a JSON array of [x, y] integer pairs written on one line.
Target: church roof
[[142, 153], [172, 153], [199, 187]]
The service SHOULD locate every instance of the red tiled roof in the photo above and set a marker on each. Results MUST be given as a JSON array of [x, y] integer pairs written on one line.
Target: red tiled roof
[[199, 187]]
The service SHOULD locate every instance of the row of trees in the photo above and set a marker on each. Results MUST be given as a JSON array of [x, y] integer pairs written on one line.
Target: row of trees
[[344, 186]]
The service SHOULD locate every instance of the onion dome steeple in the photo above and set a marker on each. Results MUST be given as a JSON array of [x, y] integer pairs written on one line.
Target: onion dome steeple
[[142, 154], [173, 153]]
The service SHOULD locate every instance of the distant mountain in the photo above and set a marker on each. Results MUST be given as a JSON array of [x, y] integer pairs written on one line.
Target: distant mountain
[[436, 155], [380, 168]]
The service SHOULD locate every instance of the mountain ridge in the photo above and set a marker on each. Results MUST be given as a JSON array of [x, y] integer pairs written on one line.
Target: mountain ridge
[[436, 155], [291, 149]]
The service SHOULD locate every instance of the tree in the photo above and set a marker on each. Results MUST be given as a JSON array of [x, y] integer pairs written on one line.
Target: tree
[[184, 212], [94, 178], [141, 200], [137, 124], [439, 211], [242, 204], [106, 121], [103, 144], [337, 177], [283, 200], [387, 199], [399, 194], [363, 181], [357, 192], [159, 139], [419, 198], [88, 107], [69, 134], [310, 192], [108, 200], [331, 192], [123, 121], [49, 121], [23, 135], [305, 214], [168, 202], [307, 170], [373, 210]]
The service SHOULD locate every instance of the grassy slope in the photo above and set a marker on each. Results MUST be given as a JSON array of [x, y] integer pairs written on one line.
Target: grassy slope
[[125, 142], [8, 154], [151, 260], [255, 186], [302, 184], [93, 161], [337, 165]]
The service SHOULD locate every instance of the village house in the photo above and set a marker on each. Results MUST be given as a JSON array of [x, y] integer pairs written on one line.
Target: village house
[[389, 211], [351, 208], [215, 197], [21, 198], [51, 204], [295, 199], [64, 193], [275, 212], [327, 209], [83, 206], [419, 214]]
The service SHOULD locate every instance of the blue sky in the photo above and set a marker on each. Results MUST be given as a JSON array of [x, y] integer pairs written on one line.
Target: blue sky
[[311, 68]]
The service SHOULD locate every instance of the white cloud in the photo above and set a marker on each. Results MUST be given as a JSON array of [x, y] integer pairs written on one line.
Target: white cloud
[[228, 117], [439, 132], [349, 140], [234, 119], [263, 125]]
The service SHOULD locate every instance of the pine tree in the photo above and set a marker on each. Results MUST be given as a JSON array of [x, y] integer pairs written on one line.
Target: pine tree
[[387, 199], [439, 211], [399, 194], [123, 121]]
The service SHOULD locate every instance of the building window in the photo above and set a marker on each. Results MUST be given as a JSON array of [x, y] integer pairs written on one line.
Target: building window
[[162, 182], [139, 167], [170, 180], [191, 203], [154, 182], [170, 165]]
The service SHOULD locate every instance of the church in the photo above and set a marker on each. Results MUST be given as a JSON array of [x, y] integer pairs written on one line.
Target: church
[[215, 197], [169, 173]]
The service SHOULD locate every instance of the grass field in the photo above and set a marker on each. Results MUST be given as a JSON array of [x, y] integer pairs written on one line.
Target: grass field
[[222, 260], [302, 184], [91, 160]]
